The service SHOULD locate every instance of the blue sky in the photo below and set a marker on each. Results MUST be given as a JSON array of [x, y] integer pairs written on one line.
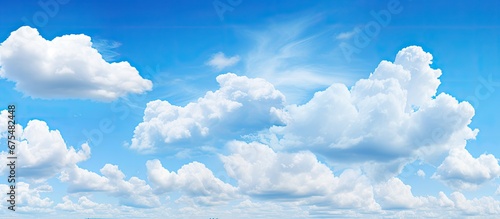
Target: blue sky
[[252, 109]]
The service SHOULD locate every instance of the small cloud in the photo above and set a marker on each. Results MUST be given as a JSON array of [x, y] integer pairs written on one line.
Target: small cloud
[[421, 173], [462, 171], [348, 35], [220, 61]]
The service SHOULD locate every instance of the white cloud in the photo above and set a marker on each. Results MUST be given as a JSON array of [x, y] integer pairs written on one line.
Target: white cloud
[[240, 106], [369, 131], [83, 205], [260, 171], [288, 55], [219, 61], [348, 35], [382, 122], [477, 206], [444, 201], [394, 194], [462, 171], [133, 192], [42, 153], [65, 67], [193, 179], [428, 207], [263, 173], [82, 180], [28, 198], [421, 173], [4, 123]]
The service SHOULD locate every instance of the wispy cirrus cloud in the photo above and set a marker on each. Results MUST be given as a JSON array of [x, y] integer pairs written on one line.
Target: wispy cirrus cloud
[[289, 55], [348, 35], [107, 48]]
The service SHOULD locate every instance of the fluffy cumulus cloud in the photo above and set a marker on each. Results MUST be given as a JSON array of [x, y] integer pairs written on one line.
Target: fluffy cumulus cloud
[[263, 173], [240, 106], [43, 153], [82, 180], [133, 192], [219, 61], [387, 120], [82, 205], [477, 206], [394, 194], [462, 171], [65, 67], [29, 198], [193, 179]]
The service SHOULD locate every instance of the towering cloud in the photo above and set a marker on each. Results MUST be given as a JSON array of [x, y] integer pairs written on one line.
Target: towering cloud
[[384, 121]]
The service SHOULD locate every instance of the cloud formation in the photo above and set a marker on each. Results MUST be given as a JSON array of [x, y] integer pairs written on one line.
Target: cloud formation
[[462, 171], [219, 61], [29, 198], [240, 106], [65, 67], [263, 173], [383, 122], [380, 124], [43, 153], [394, 194], [338, 154], [133, 192], [193, 179], [83, 205], [348, 35]]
